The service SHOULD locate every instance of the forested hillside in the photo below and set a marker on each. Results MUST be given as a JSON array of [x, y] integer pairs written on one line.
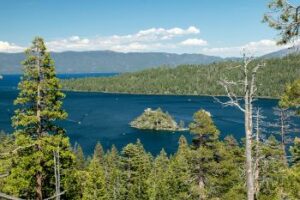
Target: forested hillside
[[194, 79]]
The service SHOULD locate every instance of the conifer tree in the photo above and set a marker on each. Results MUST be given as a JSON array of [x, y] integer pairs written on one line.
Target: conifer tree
[[136, 165], [95, 183], [99, 152], [157, 180], [114, 179], [179, 179], [79, 157], [39, 107], [291, 96], [204, 129], [295, 151], [272, 170]]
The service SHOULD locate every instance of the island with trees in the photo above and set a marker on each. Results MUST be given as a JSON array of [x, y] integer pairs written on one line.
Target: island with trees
[[156, 120]]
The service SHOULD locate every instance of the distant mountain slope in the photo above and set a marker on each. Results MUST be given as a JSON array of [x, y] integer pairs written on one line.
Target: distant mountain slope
[[106, 61], [193, 79], [282, 53]]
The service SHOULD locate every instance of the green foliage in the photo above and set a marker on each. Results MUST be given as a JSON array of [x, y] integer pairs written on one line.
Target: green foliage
[[291, 96], [193, 79], [283, 17], [37, 136], [295, 151], [21, 181], [212, 170], [95, 183], [157, 180], [273, 170], [99, 152], [155, 120], [136, 165], [39, 72], [204, 128], [114, 175], [80, 159]]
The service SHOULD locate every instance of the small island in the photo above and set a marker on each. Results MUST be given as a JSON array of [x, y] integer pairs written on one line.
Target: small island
[[157, 120]]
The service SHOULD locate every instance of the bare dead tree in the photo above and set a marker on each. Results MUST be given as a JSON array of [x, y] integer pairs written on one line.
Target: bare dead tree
[[244, 104], [259, 129], [57, 173], [286, 126]]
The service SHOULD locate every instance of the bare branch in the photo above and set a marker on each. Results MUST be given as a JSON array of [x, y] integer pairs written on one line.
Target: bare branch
[[4, 175], [5, 196], [15, 150], [56, 195], [233, 99]]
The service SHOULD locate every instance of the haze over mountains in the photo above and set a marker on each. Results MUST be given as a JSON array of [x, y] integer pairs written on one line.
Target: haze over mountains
[[109, 61]]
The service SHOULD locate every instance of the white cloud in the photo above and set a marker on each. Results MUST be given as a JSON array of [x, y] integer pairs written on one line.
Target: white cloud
[[153, 39], [194, 42], [10, 47], [173, 40], [257, 48]]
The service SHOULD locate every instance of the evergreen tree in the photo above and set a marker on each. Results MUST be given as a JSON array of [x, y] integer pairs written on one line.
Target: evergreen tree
[[136, 165], [272, 171], [157, 180], [204, 129], [95, 183], [79, 157], [38, 109], [295, 151], [291, 96], [179, 179], [99, 152], [292, 183], [113, 174]]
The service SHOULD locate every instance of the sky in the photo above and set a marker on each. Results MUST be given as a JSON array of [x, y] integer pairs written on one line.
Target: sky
[[213, 27]]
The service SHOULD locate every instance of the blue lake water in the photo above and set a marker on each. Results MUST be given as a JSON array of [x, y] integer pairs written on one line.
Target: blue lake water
[[105, 117]]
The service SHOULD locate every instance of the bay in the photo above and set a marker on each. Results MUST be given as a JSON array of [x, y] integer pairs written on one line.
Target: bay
[[105, 117]]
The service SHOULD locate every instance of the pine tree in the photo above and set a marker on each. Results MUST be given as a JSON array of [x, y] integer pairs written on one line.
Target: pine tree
[[292, 183], [113, 174], [95, 183], [136, 165], [157, 180], [283, 17], [38, 109], [204, 129], [291, 96], [295, 151], [179, 179], [273, 171], [79, 157], [99, 152]]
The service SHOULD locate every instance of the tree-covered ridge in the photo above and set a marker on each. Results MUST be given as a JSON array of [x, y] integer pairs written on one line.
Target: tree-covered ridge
[[193, 79]]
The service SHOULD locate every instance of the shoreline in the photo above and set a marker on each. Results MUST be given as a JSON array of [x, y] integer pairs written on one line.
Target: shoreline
[[146, 94]]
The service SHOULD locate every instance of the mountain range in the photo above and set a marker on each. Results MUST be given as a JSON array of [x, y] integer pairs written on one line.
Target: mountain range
[[110, 61]]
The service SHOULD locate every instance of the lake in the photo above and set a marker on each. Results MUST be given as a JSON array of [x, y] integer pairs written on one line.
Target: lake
[[105, 117]]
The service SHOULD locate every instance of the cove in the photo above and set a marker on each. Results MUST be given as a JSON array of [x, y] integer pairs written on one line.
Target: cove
[[105, 117]]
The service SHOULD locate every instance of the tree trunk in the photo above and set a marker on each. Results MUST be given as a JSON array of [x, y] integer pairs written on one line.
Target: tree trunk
[[201, 188], [39, 194], [248, 132], [282, 124], [39, 176], [257, 154]]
